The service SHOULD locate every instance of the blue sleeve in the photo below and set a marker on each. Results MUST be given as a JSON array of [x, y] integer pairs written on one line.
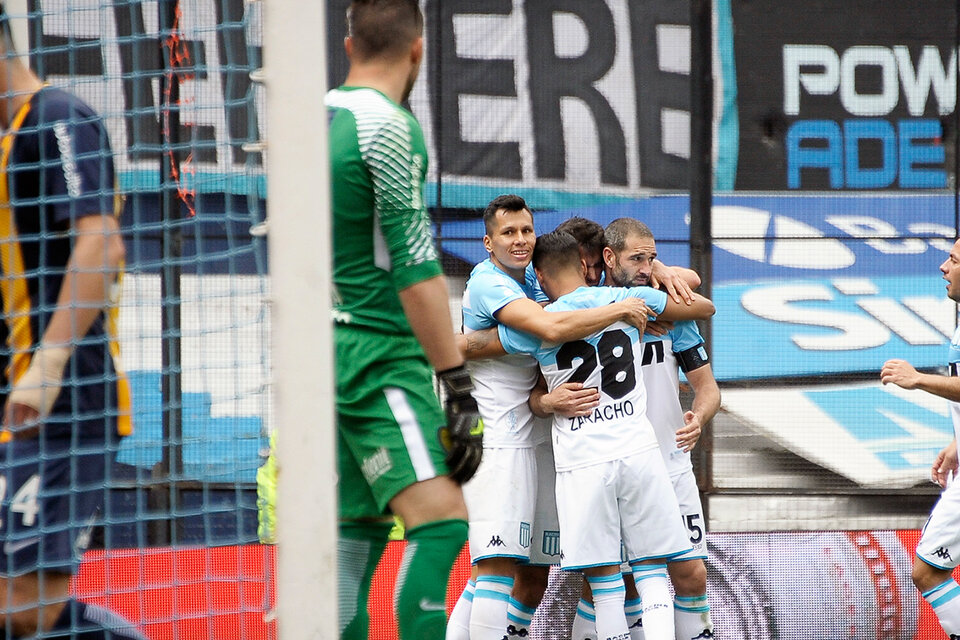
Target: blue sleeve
[[515, 341], [488, 294], [76, 167], [655, 299], [685, 335]]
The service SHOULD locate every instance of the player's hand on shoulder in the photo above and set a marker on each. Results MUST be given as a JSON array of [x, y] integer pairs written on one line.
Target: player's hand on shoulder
[[900, 373], [636, 312], [462, 437], [572, 399], [658, 327]]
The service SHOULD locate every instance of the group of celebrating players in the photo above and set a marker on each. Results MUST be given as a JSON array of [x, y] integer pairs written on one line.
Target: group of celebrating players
[[585, 441]]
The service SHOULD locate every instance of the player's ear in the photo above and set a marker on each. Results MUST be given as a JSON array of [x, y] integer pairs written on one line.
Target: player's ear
[[416, 51], [348, 47], [487, 244], [583, 268], [609, 258]]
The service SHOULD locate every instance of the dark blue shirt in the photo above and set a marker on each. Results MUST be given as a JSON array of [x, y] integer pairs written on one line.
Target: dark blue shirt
[[57, 167]]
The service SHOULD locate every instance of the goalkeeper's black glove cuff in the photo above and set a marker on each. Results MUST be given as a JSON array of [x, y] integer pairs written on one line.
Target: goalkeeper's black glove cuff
[[456, 381]]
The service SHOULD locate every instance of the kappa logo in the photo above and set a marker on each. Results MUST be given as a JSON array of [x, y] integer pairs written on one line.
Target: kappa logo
[[512, 631], [942, 553], [638, 624], [706, 633], [495, 541]]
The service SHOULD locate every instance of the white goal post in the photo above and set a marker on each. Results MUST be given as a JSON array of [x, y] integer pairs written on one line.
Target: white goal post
[[300, 256]]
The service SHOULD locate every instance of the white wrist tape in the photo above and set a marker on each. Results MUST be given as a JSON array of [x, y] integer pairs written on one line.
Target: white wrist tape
[[39, 385]]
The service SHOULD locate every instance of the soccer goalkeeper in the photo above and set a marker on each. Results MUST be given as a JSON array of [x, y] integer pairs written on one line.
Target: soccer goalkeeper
[[399, 452]]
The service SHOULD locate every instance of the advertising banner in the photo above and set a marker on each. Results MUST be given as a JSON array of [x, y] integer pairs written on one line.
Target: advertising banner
[[845, 94]]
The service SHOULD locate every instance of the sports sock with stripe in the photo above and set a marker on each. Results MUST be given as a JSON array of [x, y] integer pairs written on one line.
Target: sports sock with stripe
[[488, 620], [421, 591], [946, 604], [585, 622], [633, 609], [359, 548], [654, 592], [608, 597], [519, 617], [691, 614], [458, 626]]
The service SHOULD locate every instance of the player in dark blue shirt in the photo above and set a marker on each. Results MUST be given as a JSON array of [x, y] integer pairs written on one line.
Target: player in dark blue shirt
[[66, 400]]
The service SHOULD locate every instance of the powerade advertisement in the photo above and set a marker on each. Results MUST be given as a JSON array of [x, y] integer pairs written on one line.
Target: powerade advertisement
[[826, 102]]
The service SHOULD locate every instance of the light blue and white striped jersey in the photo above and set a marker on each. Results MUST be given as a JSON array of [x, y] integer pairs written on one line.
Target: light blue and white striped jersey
[[954, 365], [609, 360], [501, 385], [661, 378]]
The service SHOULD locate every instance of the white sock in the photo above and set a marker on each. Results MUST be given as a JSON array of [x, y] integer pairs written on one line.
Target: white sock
[[608, 597], [519, 616], [458, 626], [585, 622], [654, 592], [692, 617], [946, 605], [488, 616], [633, 609]]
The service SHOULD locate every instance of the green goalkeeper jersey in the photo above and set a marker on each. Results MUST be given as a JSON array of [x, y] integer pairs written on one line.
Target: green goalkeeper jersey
[[381, 231]]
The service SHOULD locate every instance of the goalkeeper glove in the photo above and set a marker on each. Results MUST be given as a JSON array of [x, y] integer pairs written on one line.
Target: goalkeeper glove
[[462, 437]]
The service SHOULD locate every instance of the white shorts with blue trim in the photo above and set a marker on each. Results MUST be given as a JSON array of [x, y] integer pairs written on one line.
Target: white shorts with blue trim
[[500, 504], [939, 544], [545, 548], [629, 499], [691, 511]]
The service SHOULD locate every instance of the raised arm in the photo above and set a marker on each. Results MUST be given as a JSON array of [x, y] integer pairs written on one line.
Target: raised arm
[[528, 316], [699, 308]]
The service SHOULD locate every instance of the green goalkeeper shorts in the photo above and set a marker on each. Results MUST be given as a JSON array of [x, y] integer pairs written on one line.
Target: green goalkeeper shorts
[[388, 418]]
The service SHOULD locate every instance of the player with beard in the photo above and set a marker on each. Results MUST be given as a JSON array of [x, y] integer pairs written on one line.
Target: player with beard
[[399, 452]]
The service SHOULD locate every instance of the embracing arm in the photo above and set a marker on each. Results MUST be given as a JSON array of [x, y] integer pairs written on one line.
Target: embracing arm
[[528, 316], [699, 308], [481, 344]]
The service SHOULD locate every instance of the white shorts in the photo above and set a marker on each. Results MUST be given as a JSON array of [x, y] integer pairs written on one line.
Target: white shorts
[[939, 544], [545, 549], [691, 511], [500, 504], [630, 499]]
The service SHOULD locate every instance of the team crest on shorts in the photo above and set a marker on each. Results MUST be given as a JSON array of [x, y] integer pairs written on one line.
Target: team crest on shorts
[[551, 543], [524, 535]]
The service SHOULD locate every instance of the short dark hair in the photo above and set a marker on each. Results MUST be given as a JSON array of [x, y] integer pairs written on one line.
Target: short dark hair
[[556, 250], [507, 202], [618, 230], [588, 234], [383, 28]]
